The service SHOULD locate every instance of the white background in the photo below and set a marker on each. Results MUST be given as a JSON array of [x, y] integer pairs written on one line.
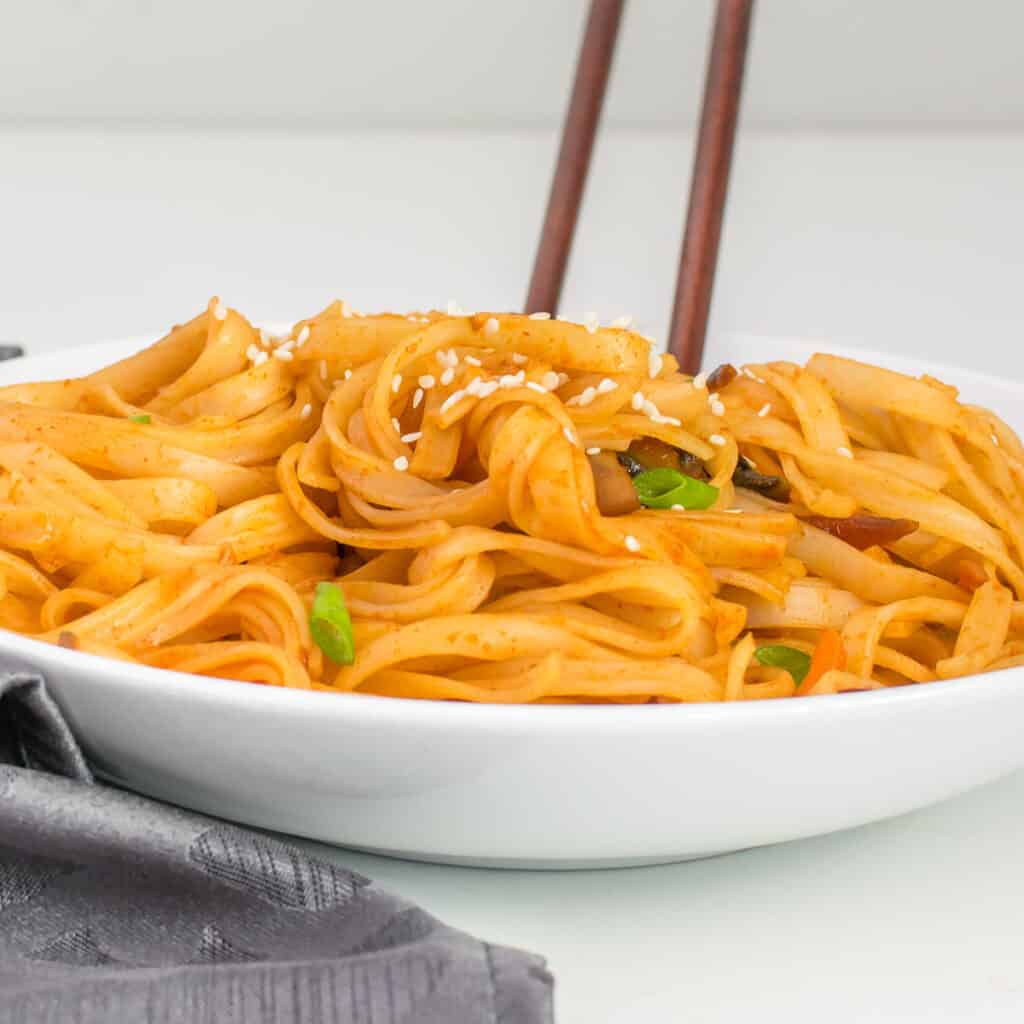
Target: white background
[[493, 64], [152, 154], [900, 238]]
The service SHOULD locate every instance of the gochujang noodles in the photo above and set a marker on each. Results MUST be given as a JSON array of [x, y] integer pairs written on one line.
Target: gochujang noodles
[[505, 508]]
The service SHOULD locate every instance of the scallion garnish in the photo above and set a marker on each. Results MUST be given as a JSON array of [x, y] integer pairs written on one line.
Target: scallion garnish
[[794, 661], [143, 417], [663, 488], [330, 624]]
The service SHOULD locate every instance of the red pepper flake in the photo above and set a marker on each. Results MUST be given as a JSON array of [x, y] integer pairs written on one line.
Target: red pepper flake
[[863, 531], [68, 639], [970, 575]]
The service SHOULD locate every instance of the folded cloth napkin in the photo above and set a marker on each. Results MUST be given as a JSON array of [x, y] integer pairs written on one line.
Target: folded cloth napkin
[[116, 908]]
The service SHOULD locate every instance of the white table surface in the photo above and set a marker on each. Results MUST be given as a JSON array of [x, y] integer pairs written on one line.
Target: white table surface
[[906, 240]]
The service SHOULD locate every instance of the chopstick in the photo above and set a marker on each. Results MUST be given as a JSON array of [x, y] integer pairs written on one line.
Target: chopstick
[[699, 255], [578, 131]]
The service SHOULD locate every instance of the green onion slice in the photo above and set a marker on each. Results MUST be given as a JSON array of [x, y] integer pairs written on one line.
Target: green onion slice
[[795, 662], [663, 488], [143, 417], [330, 624]]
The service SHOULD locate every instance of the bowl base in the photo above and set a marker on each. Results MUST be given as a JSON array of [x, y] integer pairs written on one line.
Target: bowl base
[[532, 864]]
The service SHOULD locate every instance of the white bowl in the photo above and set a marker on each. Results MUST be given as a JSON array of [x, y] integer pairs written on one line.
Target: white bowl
[[549, 786]]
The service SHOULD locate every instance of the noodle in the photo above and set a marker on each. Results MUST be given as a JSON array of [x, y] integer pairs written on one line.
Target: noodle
[[185, 508]]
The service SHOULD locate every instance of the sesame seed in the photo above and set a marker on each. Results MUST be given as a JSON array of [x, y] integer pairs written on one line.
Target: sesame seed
[[995, 440], [512, 380], [424, 319], [252, 352], [569, 435], [540, 316], [473, 361], [307, 411], [717, 440], [491, 326], [845, 452], [653, 364], [534, 386], [323, 369], [474, 386], [396, 424], [348, 375], [550, 380], [717, 408], [413, 319], [622, 321], [260, 359], [585, 397], [519, 359], [652, 412], [733, 511], [284, 354], [764, 410], [678, 508], [488, 389], [412, 438], [426, 382], [607, 385], [401, 463], [265, 336], [417, 398], [632, 544], [447, 377], [303, 336], [220, 311], [563, 379], [638, 401], [593, 451], [455, 396], [700, 381], [591, 323], [286, 346], [396, 383]]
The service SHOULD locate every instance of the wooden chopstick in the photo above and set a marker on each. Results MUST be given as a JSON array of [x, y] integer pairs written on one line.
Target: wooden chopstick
[[712, 162], [699, 256], [578, 131]]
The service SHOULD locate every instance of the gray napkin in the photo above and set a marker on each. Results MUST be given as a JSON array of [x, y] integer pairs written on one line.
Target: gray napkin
[[114, 908]]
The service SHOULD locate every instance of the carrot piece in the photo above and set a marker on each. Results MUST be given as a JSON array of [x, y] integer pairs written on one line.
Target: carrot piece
[[828, 654]]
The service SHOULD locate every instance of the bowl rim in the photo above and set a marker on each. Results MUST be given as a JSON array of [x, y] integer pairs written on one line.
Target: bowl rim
[[266, 698], [135, 679]]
